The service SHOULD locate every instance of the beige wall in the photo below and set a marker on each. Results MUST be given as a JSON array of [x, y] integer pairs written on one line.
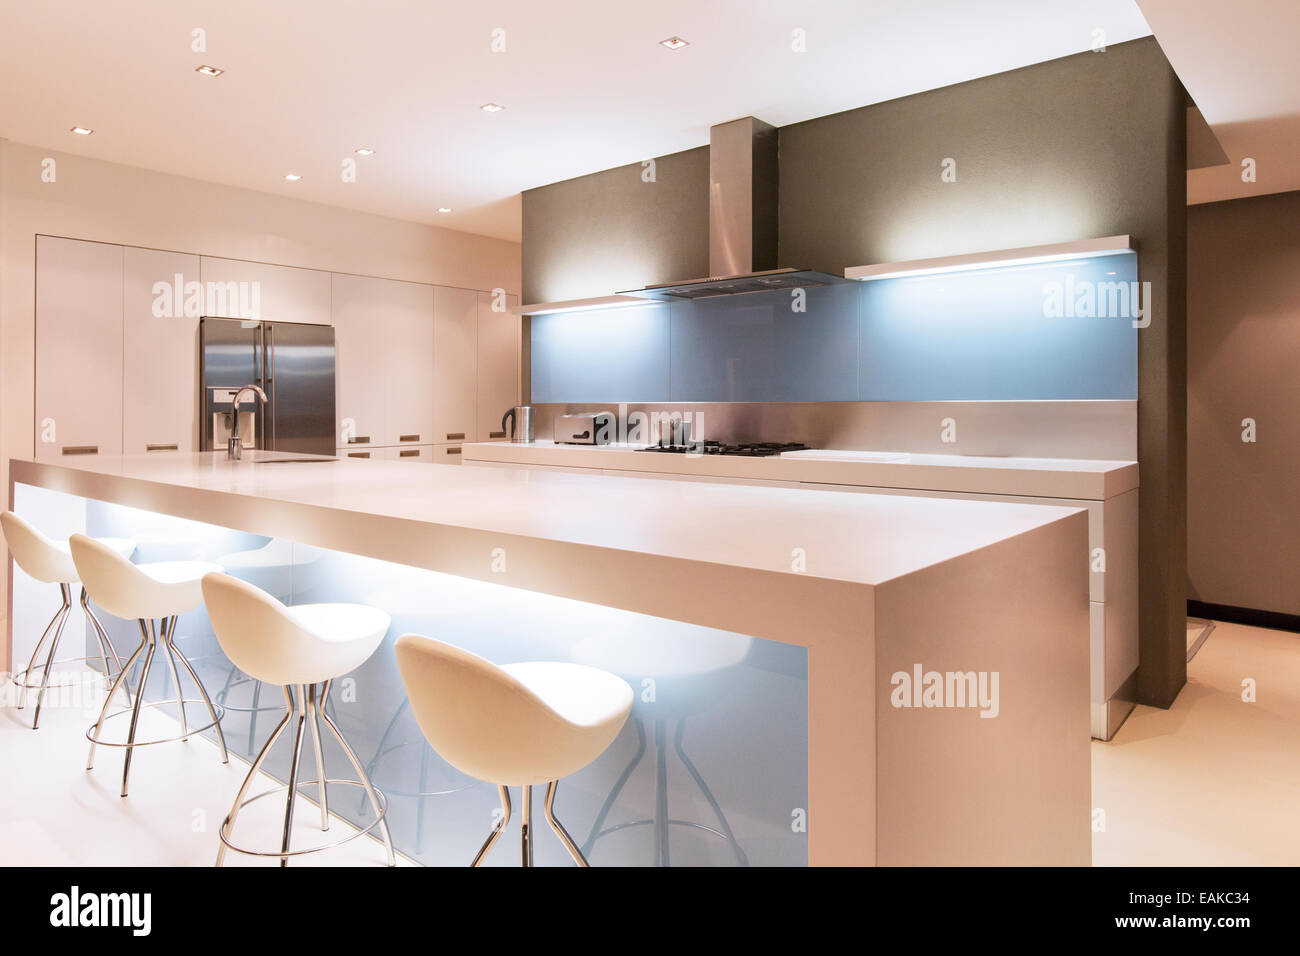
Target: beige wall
[[107, 202], [1243, 352]]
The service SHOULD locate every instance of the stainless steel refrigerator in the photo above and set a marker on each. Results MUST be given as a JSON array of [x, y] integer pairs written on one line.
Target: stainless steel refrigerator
[[292, 362]]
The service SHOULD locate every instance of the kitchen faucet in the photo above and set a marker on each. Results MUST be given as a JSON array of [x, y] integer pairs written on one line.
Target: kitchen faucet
[[235, 449]]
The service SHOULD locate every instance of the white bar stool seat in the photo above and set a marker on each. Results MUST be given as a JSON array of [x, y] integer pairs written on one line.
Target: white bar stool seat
[[514, 725], [299, 648], [50, 562], [161, 590]]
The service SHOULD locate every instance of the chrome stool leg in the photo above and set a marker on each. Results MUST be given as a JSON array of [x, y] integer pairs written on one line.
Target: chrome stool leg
[[31, 664], [64, 611], [135, 709], [101, 637], [495, 835], [176, 677], [323, 709], [558, 827], [526, 825], [229, 822], [307, 704], [322, 788], [293, 776], [121, 681], [179, 655]]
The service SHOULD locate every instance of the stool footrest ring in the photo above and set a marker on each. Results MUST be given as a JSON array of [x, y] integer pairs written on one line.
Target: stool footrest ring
[[20, 678], [192, 731], [223, 833]]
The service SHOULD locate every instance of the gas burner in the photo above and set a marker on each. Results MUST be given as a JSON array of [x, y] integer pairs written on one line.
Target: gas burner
[[757, 449]]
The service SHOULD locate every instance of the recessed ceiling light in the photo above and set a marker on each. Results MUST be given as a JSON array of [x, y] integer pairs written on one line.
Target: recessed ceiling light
[[292, 177], [209, 70], [444, 209], [364, 151], [491, 107], [81, 131], [674, 43]]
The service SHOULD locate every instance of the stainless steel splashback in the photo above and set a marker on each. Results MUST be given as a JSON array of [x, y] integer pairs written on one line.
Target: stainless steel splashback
[[1064, 429]]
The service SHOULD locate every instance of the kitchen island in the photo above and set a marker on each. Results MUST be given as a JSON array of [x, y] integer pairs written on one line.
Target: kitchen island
[[868, 678]]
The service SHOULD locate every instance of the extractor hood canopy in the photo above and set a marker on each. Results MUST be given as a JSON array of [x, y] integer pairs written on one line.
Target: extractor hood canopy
[[743, 179], [744, 174]]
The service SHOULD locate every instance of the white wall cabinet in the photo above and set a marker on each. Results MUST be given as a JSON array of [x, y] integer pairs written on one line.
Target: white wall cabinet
[[499, 339], [283, 293], [407, 321], [455, 364], [78, 348], [359, 359], [160, 388], [418, 367]]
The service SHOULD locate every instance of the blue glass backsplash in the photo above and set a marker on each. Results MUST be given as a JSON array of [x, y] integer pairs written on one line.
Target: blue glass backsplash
[[1012, 333]]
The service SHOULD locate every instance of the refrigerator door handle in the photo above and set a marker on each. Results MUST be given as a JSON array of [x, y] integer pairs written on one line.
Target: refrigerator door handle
[[270, 381]]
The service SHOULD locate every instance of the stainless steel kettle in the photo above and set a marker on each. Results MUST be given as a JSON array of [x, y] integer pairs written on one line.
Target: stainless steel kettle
[[522, 423]]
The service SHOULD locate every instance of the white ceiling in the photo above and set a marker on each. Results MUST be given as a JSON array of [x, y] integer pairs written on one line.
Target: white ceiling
[[1240, 61], [585, 84]]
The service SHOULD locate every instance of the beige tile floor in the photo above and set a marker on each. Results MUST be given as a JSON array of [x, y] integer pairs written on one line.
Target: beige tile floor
[[1213, 780]]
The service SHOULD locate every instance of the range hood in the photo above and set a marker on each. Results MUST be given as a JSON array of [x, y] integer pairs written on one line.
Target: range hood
[[743, 178]]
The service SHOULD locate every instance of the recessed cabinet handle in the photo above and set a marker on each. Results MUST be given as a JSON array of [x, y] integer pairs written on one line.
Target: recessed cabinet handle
[[455, 436], [454, 451], [163, 446], [496, 434], [412, 453], [358, 454], [81, 449], [359, 440], [408, 437]]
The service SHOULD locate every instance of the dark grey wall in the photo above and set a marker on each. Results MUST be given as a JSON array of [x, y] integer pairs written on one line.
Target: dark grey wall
[[610, 231], [1086, 146], [1243, 347]]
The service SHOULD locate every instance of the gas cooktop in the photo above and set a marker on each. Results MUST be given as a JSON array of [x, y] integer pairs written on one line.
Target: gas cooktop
[[757, 449]]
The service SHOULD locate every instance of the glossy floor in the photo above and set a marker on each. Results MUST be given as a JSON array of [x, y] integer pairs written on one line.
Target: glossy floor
[[1210, 781]]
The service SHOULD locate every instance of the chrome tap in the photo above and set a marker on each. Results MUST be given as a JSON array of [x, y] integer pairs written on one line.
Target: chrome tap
[[235, 449]]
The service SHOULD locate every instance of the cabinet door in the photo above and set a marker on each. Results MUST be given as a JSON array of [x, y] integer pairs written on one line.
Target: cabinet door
[[455, 358], [498, 363], [232, 288], [446, 454], [359, 351], [160, 353], [78, 348], [408, 339]]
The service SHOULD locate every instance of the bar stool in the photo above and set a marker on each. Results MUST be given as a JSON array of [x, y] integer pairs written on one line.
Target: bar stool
[[51, 562], [296, 647], [513, 725], [163, 590]]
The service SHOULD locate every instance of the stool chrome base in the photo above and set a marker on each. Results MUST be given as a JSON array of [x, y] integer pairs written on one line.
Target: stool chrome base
[[526, 827], [106, 649], [306, 704], [150, 638], [661, 821]]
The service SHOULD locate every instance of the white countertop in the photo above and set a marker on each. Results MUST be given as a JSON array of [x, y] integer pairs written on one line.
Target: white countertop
[[862, 538], [1072, 478]]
